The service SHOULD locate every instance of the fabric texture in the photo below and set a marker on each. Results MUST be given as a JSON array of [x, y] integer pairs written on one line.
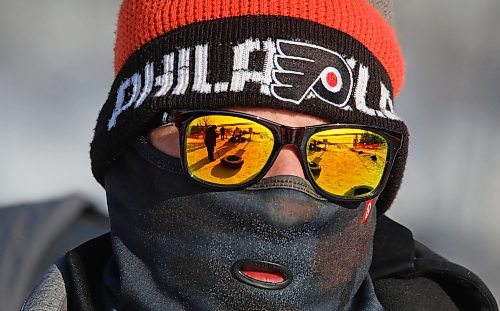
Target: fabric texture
[[409, 276], [142, 21], [410, 288], [50, 293], [186, 241], [34, 235], [414, 294]]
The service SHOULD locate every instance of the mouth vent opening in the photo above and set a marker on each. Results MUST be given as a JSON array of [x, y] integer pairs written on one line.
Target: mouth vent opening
[[262, 274]]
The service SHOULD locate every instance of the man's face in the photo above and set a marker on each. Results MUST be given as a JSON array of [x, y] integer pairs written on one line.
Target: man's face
[[277, 234], [166, 139]]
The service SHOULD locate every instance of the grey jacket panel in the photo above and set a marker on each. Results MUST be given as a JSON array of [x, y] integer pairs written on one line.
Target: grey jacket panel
[[49, 294], [34, 235]]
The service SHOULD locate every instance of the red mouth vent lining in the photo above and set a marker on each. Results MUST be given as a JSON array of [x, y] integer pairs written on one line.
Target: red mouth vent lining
[[263, 276]]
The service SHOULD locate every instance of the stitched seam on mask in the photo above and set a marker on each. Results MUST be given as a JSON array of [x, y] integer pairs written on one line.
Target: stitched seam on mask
[[286, 184]]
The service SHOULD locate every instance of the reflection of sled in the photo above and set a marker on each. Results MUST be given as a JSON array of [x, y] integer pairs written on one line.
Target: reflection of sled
[[315, 168], [358, 191], [232, 161]]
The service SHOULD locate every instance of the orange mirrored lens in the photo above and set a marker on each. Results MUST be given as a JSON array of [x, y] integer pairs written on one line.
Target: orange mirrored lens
[[347, 162], [226, 150]]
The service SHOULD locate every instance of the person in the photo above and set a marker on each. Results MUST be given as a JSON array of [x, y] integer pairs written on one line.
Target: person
[[222, 133], [269, 236], [210, 141], [237, 134]]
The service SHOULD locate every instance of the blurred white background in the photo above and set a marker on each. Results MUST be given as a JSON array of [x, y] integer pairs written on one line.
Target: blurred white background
[[56, 69]]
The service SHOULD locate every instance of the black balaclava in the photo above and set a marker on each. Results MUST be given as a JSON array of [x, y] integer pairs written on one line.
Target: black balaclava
[[176, 244]]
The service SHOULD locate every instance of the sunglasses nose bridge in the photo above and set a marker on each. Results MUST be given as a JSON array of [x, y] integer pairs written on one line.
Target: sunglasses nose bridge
[[291, 135]]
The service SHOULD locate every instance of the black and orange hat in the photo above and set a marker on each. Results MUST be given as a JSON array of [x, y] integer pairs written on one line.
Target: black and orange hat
[[336, 59]]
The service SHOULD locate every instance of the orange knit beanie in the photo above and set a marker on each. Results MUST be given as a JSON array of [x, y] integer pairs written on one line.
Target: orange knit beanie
[[141, 21]]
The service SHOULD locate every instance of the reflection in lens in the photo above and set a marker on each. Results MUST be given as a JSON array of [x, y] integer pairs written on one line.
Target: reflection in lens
[[226, 150], [347, 162]]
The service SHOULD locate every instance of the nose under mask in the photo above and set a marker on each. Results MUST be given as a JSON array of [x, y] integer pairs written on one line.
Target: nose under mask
[[276, 245]]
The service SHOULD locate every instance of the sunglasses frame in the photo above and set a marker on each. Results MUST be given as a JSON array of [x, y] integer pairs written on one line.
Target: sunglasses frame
[[285, 135]]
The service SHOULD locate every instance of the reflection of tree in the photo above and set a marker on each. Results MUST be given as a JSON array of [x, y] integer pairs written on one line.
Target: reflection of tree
[[201, 125], [206, 121], [369, 138]]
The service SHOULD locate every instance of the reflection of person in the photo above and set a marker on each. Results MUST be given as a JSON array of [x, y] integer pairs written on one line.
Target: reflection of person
[[210, 141], [222, 133], [250, 131], [313, 146], [175, 244], [237, 134]]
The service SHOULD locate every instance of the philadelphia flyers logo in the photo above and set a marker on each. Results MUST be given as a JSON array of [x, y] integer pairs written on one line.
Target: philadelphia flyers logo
[[301, 68]]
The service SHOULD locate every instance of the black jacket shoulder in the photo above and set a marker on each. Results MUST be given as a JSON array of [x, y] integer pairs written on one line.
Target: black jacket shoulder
[[409, 276]]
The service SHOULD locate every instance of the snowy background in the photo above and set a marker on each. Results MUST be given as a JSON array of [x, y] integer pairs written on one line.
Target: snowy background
[[56, 68]]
